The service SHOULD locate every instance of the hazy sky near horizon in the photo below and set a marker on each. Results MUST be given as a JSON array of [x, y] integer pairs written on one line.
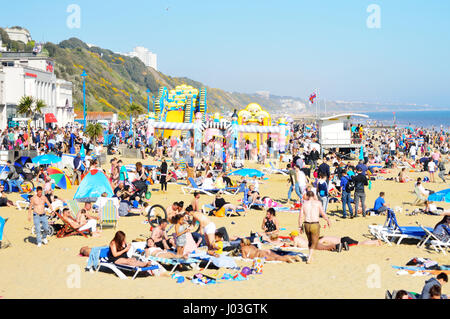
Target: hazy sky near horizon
[[287, 47]]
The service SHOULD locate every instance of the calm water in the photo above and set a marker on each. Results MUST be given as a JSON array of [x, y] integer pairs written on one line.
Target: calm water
[[413, 118]]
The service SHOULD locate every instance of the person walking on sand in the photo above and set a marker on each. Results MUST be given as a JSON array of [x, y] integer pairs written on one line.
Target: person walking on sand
[[37, 206], [309, 221]]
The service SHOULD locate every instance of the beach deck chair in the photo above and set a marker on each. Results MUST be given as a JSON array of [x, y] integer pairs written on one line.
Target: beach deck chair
[[273, 170], [118, 269], [68, 230], [420, 199], [24, 203], [73, 207], [431, 239], [207, 209], [195, 188], [249, 204], [109, 215]]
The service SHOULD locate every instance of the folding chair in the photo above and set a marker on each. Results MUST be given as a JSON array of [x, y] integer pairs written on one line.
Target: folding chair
[[109, 214], [431, 239], [68, 230]]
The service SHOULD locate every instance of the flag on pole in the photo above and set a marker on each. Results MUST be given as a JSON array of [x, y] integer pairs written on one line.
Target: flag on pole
[[312, 97]]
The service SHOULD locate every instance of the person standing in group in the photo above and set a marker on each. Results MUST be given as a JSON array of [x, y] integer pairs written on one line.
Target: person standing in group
[[431, 170], [78, 169], [324, 168], [300, 182], [322, 191], [347, 186], [441, 167], [360, 181], [309, 222], [163, 178], [37, 206], [292, 179]]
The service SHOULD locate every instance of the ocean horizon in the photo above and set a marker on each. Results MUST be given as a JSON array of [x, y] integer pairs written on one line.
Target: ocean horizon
[[427, 119]]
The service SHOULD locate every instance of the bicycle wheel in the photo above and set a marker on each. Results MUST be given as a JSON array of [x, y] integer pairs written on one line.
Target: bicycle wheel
[[156, 214]]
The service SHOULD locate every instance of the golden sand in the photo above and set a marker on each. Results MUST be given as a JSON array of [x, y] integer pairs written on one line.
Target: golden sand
[[49, 271]]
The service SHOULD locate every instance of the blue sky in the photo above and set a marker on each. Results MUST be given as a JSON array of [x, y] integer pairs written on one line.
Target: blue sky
[[285, 47]]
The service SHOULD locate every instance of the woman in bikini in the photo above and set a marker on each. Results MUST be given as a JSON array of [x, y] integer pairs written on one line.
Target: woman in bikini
[[249, 251], [152, 250]]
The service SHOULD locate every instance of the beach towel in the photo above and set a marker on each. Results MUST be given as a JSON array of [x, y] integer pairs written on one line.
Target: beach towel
[[94, 257]]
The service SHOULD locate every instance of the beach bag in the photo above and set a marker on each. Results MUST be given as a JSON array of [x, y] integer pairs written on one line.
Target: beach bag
[[220, 212], [350, 186], [258, 264]]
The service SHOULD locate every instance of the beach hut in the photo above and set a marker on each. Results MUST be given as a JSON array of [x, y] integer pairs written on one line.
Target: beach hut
[[335, 131]]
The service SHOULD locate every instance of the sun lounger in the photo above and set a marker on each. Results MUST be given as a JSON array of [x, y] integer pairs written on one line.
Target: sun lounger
[[175, 262], [117, 269], [4, 243], [273, 170], [431, 239], [391, 230], [195, 188], [246, 201]]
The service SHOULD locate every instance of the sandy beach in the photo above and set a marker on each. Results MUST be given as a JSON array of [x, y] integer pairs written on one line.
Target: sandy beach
[[49, 271]]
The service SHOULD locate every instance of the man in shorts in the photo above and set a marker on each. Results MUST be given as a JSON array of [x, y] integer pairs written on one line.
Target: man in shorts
[[207, 227], [309, 221]]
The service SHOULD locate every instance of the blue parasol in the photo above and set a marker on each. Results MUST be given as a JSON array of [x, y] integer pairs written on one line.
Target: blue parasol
[[441, 196], [250, 172], [46, 159]]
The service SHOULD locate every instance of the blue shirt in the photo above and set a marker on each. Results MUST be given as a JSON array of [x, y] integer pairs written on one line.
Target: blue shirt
[[378, 203], [344, 181]]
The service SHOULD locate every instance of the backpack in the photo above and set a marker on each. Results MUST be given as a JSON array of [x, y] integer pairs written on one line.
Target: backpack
[[350, 186]]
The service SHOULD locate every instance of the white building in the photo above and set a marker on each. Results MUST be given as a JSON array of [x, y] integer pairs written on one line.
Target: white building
[[335, 131], [18, 34], [25, 74], [147, 57]]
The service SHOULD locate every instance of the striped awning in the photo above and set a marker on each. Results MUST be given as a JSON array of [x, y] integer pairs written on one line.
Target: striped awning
[[174, 126], [218, 125], [258, 129]]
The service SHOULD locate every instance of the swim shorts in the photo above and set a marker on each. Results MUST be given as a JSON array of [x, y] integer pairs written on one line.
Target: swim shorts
[[210, 229], [312, 231]]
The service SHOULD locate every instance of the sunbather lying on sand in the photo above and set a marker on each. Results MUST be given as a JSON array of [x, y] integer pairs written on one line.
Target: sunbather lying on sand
[[249, 251], [332, 243]]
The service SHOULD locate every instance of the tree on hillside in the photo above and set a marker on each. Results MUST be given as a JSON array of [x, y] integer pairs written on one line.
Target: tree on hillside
[[94, 131], [134, 110]]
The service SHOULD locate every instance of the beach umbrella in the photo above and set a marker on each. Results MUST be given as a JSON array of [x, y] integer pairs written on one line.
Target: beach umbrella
[[249, 172], [441, 196], [46, 159], [61, 179], [22, 161]]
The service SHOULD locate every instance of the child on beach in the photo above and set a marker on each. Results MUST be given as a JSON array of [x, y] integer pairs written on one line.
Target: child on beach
[[181, 228]]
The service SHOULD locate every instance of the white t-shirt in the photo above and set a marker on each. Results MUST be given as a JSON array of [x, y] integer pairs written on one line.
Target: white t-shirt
[[392, 146], [431, 166]]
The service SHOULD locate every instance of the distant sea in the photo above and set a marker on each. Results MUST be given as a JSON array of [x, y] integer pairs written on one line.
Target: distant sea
[[425, 119]]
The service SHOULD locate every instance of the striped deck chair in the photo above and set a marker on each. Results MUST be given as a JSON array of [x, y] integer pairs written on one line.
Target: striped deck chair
[[109, 214], [74, 208]]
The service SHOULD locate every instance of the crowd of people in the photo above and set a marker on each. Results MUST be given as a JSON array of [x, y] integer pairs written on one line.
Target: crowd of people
[[315, 176]]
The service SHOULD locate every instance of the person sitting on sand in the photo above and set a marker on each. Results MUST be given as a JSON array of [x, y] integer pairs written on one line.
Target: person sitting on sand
[[82, 223], [253, 196], [402, 177], [249, 251], [195, 204], [172, 210], [270, 224], [160, 237]]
